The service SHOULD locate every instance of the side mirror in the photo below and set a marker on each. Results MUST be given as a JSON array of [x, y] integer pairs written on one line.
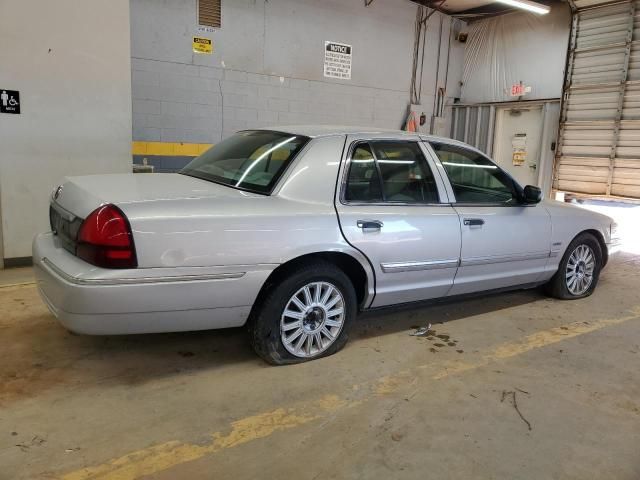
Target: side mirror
[[532, 194]]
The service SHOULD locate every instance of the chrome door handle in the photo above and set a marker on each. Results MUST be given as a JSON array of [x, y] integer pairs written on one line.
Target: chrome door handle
[[473, 222], [370, 224]]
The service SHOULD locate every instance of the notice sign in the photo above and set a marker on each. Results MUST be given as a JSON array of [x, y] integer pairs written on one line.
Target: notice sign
[[202, 45], [337, 60], [519, 144], [9, 101]]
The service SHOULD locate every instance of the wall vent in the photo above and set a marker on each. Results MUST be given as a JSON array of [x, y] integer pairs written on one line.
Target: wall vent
[[209, 13]]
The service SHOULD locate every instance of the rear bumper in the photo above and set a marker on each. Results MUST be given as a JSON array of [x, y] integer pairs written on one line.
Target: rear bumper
[[90, 300]]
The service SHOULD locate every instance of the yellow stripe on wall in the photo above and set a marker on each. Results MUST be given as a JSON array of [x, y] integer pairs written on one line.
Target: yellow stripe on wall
[[169, 149]]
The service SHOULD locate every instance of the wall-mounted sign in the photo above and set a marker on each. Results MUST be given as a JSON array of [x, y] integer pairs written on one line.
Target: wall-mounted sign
[[337, 60], [519, 144], [519, 90], [202, 45], [205, 29], [9, 101]]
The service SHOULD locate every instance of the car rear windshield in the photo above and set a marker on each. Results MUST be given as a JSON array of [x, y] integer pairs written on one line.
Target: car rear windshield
[[250, 160]]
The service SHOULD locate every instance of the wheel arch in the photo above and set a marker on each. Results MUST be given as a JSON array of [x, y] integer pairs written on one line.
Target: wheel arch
[[359, 275], [601, 241]]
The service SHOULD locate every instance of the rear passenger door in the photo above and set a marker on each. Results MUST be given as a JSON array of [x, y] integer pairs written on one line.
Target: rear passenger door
[[394, 209], [504, 242]]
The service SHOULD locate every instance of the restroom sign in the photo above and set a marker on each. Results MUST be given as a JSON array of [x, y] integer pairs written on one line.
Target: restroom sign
[[9, 101], [337, 60]]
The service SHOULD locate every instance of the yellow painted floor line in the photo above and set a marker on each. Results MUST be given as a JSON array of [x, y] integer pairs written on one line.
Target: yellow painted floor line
[[20, 284], [166, 455], [534, 341]]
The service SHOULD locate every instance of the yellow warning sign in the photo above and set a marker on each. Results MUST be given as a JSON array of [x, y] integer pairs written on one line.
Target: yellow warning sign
[[202, 45], [519, 156]]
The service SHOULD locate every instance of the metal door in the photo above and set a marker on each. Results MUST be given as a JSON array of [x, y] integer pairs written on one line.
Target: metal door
[[414, 248], [517, 142]]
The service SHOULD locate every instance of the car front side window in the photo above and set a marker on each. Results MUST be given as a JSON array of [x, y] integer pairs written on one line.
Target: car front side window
[[474, 178]]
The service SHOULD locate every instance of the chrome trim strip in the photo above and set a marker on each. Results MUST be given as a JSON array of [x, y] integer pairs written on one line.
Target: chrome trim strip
[[140, 280], [518, 257], [415, 266]]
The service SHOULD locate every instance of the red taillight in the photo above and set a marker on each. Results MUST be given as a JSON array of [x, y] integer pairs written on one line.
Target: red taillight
[[105, 239]]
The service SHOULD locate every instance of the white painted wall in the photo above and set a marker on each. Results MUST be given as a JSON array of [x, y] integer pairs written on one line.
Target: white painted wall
[[516, 47], [70, 60]]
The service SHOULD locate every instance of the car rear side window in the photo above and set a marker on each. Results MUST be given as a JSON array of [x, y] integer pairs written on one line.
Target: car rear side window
[[252, 160], [473, 177], [390, 172], [363, 183]]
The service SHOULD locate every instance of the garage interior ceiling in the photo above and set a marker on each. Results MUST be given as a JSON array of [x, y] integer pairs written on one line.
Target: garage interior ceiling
[[475, 9]]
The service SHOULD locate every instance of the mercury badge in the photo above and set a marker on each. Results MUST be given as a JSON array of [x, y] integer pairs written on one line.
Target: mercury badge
[[57, 193]]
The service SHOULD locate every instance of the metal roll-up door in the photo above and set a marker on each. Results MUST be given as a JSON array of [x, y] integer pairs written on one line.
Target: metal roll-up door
[[599, 147]]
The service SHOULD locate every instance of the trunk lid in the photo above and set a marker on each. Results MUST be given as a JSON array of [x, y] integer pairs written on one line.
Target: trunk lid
[[80, 196], [73, 201]]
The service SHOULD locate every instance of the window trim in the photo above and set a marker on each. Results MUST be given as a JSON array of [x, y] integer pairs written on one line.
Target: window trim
[[452, 194], [345, 175]]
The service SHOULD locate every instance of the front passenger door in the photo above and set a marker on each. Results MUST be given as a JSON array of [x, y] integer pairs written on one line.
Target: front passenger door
[[504, 243]]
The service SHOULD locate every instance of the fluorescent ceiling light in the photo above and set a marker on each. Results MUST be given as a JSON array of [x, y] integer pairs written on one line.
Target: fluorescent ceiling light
[[534, 7]]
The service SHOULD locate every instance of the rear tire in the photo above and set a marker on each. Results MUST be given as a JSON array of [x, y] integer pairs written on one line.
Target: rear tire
[[579, 269], [305, 315]]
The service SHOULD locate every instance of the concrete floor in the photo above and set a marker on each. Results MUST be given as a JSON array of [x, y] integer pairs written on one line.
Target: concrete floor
[[201, 405]]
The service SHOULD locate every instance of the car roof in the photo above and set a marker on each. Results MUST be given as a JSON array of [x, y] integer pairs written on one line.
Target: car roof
[[315, 131]]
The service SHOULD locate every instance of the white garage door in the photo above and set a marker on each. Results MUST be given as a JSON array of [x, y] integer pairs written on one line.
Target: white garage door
[[599, 148]]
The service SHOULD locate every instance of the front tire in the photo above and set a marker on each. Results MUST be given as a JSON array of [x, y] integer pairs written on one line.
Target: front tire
[[579, 269], [303, 316]]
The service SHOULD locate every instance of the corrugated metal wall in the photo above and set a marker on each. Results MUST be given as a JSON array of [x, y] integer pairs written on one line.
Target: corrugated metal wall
[[599, 148], [474, 124]]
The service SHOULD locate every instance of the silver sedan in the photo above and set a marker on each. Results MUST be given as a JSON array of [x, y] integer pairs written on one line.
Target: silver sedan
[[292, 231]]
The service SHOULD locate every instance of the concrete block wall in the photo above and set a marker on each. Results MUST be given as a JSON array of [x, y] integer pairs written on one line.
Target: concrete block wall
[[203, 104], [267, 66], [175, 102]]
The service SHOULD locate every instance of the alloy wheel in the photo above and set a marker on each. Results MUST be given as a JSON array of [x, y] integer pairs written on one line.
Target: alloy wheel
[[312, 319], [580, 268]]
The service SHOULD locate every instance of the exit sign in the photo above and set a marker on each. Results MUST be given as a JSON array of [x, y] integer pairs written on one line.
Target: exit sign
[[519, 90]]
